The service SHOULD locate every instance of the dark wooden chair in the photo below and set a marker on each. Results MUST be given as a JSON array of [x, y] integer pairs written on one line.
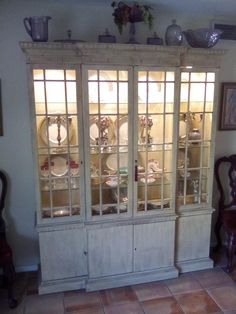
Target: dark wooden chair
[[6, 261], [225, 173]]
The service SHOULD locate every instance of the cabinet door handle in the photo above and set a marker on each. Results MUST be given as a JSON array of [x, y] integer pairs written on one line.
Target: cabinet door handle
[[136, 172], [85, 253]]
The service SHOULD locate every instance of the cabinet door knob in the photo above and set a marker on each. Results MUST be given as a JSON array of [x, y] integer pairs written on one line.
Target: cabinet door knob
[[85, 253]]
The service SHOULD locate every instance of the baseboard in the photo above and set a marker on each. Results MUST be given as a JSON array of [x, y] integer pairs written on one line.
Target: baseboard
[[194, 265], [60, 285], [131, 278]]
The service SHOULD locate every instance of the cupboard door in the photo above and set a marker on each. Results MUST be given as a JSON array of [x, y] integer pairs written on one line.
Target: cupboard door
[[154, 137], [195, 138], [62, 254], [154, 245], [58, 142], [110, 251], [106, 116]]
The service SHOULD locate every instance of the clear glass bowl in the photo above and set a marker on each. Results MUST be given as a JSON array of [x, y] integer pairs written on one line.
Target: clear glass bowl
[[202, 37]]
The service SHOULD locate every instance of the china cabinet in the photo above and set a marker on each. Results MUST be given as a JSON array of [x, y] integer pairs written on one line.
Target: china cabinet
[[123, 143]]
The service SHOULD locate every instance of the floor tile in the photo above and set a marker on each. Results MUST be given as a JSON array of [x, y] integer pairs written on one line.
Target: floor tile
[[81, 300], [166, 305], [153, 290], [127, 308], [225, 297], [212, 277], [183, 284], [118, 296], [44, 304], [198, 302]]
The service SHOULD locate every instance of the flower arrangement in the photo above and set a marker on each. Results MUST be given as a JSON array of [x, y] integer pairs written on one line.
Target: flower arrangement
[[124, 13]]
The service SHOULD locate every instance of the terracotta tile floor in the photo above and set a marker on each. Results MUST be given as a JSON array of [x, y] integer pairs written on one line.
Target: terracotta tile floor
[[200, 292]]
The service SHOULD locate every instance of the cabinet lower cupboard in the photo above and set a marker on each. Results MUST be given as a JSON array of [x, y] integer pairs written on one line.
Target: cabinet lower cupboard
[[124, 147]]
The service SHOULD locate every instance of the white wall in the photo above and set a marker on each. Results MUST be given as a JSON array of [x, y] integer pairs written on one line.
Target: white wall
[[87, 21]]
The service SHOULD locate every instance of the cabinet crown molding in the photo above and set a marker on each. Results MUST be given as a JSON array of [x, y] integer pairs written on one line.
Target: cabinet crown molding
[[120, 54]]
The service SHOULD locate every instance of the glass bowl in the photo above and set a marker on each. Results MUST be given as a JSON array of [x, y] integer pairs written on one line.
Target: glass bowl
[[202, 37]]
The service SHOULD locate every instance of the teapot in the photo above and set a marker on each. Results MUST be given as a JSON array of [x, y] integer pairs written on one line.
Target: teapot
[[37, 27]]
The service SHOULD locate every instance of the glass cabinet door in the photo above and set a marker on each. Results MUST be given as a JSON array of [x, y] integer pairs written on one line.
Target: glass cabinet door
[[194, 145], [108, 130], [58, 147], [154, 159]]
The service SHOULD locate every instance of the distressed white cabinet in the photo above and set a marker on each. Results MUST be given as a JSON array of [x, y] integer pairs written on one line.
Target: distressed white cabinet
[[124, 143]]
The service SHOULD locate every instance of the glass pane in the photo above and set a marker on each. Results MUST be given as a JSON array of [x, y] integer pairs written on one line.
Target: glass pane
[[197, 97], [123, 75], [156, 76], [39, 95], [142, 76], [195, 156], [71, 91], [207, 126], [108, 92], [198, 77], [185, 76], [107, 75], [54, 74], [70, 75], [209, 96], [168, 137], [210, 77], [92, 75], [156, 92], [55, 95], [142, 92], [38, 74], [93, 94], [121, 129], [184, 92], [168, 159], [123, 96], [170, 76], [206, 155], [170, 92]]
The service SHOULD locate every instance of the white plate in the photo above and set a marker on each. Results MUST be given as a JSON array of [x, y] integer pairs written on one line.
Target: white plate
[[182, 129], [123, 130], [48, 130], [94, 130], [59, 166], [112, 163]]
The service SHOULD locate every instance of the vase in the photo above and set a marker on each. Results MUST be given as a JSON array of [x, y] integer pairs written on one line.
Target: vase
[[173, 35], [132, 32]]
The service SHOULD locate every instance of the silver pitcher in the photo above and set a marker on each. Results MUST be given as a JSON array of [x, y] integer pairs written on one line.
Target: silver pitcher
[[37, 27]]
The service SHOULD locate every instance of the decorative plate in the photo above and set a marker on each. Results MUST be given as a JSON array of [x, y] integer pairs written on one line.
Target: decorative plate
[[182, 129], [112, 162], [53, 130], [123, 130], [59, 166]]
